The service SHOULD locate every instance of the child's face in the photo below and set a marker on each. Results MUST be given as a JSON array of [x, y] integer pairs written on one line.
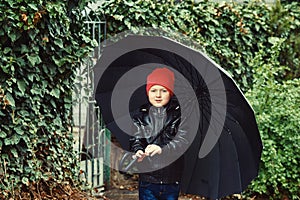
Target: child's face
[[158, 95]]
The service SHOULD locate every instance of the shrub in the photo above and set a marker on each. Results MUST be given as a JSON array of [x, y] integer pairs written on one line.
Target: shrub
[[230, 33], [41, 45], [276, 104], [285, 23]]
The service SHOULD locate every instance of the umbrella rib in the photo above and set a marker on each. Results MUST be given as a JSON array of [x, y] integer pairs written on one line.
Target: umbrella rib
[[199, 144], [237, 122], [189, 71], [238, 163], [219, 149], [195, 99]]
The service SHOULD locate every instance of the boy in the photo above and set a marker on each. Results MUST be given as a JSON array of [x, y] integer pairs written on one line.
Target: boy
[[159, 139]]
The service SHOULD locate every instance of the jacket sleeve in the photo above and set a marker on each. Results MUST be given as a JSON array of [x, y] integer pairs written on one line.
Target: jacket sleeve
[[136, 140]]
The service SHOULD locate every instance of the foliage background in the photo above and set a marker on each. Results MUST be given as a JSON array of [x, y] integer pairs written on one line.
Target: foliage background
[[231, 33], [259, 45], [41, 45], [276, 103]]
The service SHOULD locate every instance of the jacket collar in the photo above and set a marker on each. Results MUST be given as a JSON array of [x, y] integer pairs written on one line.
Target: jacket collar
[[172, 105]]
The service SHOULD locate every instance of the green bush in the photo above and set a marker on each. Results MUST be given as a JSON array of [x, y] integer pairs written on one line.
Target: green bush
[[276, 104], [285, 23], [41, 46], [230, 33]]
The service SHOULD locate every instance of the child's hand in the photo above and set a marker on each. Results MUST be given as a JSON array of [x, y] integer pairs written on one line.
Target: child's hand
[[152, 149], [140, 155]]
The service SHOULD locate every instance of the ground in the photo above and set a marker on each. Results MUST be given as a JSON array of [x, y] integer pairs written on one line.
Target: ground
[[121, 187], [125, 188]]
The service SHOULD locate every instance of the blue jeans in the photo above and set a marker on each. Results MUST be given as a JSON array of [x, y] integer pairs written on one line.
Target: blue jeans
[[152, 191]]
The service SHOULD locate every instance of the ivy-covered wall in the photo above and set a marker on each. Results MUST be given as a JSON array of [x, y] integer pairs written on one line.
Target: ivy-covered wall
[[231, 33], [259, 45], [41, 45]]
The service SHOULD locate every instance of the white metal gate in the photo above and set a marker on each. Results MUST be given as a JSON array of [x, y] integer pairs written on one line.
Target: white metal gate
[[88, 129]]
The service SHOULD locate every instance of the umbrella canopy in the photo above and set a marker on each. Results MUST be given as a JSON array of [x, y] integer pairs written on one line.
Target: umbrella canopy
[[225, 145]]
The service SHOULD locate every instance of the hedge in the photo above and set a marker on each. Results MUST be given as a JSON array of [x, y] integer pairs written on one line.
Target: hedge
[[42, 43], [230, 33], [276, 104]]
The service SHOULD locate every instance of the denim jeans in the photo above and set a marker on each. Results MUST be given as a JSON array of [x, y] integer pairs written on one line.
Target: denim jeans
[[152, 191]]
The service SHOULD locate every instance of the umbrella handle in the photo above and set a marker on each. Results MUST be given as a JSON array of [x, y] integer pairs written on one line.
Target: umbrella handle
[[128, 167], [131, 163]]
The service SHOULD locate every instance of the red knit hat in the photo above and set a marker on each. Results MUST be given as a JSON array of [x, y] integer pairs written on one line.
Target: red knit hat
[[163, 77]]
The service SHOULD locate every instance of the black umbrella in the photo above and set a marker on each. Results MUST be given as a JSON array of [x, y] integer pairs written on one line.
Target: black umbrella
[[225, 145]]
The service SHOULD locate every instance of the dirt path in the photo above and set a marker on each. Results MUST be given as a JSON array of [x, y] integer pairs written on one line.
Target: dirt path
[[126, 188], [124, 194]]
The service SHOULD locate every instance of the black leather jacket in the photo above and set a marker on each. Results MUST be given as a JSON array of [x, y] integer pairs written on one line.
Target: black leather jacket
[[161, 126]]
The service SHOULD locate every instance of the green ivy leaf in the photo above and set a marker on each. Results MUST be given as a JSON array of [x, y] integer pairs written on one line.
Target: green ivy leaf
[[57, 121], [25, 181], [34, 59], [14, 139], [19, 130], [6, 50], [24, 48], [14, 152], [59, 43], [33, 6], [119, 17], [8, 68], [3, 134], [10, 99], [55, 92], [13, 37], [58, 62], [21, 86]]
